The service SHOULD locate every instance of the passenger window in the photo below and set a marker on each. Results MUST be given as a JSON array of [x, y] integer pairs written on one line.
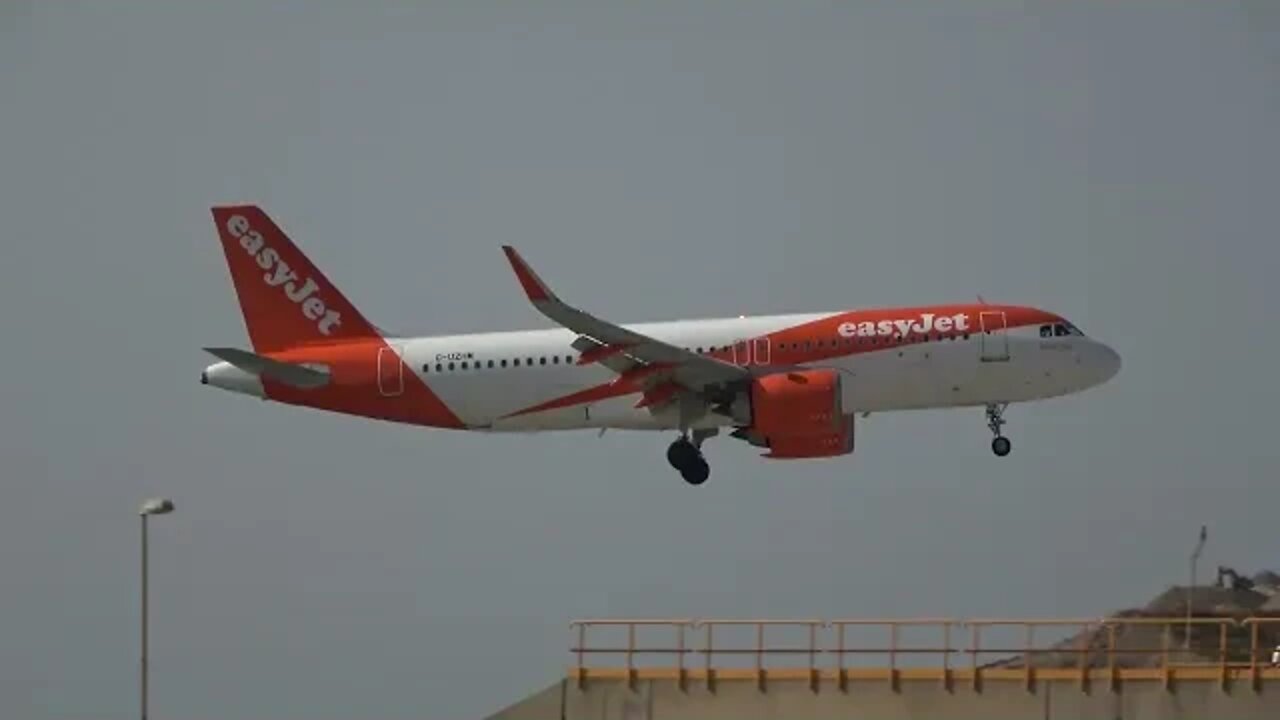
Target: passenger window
[[464, 366], [451, 366], [503, 362], [426, 368], [542, 361], [516, 362]]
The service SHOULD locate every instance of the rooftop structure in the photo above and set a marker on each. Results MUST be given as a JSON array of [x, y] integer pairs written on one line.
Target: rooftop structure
[[1148, 662]]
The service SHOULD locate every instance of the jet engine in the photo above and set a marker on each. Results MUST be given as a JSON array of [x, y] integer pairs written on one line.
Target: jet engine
[[834, 444], [802, 402], [799, 414]]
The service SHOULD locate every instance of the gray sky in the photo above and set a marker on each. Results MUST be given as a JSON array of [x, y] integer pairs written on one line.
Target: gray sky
[[1113, 162]]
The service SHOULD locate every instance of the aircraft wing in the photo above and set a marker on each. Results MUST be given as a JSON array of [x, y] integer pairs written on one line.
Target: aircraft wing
[[611, 345]]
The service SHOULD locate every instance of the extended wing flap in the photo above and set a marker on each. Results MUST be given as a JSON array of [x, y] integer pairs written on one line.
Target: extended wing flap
[[294, 375], [613, 357]]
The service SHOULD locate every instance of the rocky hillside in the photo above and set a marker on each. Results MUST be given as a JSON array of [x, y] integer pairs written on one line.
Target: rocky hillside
[[1141, 645]]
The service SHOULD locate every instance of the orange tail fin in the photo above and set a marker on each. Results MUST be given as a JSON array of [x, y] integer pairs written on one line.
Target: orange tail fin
[[286, 301]]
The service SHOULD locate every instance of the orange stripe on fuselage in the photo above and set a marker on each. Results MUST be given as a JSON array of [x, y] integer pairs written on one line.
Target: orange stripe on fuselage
[[355, 387], [625, 384], [823, 339], [589, 395]]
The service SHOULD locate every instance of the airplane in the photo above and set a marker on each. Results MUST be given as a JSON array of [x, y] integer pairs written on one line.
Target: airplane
[[790, 384]]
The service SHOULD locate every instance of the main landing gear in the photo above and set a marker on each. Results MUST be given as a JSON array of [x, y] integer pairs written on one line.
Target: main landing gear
[[1000, 444], [685, 455]]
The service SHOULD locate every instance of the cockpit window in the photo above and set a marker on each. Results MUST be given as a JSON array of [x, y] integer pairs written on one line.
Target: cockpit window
[[1062, 329]]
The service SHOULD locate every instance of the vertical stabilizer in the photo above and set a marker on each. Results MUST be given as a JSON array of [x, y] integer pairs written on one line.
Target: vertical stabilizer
[[286, 301]]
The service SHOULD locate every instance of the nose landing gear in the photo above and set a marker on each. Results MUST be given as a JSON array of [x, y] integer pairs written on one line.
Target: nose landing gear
[[685, 455], [1000, 444]]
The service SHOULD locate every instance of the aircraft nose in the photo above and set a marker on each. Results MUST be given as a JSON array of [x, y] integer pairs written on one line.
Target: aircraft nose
[[1108, 362]]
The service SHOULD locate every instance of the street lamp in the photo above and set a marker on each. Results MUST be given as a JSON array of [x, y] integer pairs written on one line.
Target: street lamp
[[154, 506], [1191, 589]]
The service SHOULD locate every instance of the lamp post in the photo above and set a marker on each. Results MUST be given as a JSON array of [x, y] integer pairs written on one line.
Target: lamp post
[[1195, 556], [155, 506]]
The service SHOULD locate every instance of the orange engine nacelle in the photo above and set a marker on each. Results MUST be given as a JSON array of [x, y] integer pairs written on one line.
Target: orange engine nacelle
[[790, 447], [804, 402]]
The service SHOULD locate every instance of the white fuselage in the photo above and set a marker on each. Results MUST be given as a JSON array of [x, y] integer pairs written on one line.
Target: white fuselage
[[487, 377]]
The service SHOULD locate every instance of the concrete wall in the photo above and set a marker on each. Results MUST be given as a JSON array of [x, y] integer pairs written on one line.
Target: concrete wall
[[916, 700]]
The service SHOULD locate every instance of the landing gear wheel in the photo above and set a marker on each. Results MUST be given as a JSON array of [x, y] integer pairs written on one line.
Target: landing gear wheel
[[685, 457], [681, 453], [1001, 446], [697, 472]]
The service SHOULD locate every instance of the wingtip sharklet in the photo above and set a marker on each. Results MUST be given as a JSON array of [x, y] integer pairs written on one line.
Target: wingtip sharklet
[[533, 285]]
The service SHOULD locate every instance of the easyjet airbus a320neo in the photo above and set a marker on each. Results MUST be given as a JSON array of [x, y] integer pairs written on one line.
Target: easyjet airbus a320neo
[[792, 384]]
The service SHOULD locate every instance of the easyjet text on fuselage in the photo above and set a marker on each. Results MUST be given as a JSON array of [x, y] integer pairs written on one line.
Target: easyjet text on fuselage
[[924, 323]]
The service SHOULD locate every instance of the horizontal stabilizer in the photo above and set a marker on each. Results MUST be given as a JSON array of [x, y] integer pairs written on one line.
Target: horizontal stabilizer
[[294, 375]]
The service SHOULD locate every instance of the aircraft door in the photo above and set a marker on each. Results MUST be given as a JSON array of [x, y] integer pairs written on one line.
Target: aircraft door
[[761, 350], [746, 352], [995, 339], [390, 372]]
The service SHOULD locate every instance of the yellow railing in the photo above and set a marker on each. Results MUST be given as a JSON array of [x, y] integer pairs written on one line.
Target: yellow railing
[[1102, 650]]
